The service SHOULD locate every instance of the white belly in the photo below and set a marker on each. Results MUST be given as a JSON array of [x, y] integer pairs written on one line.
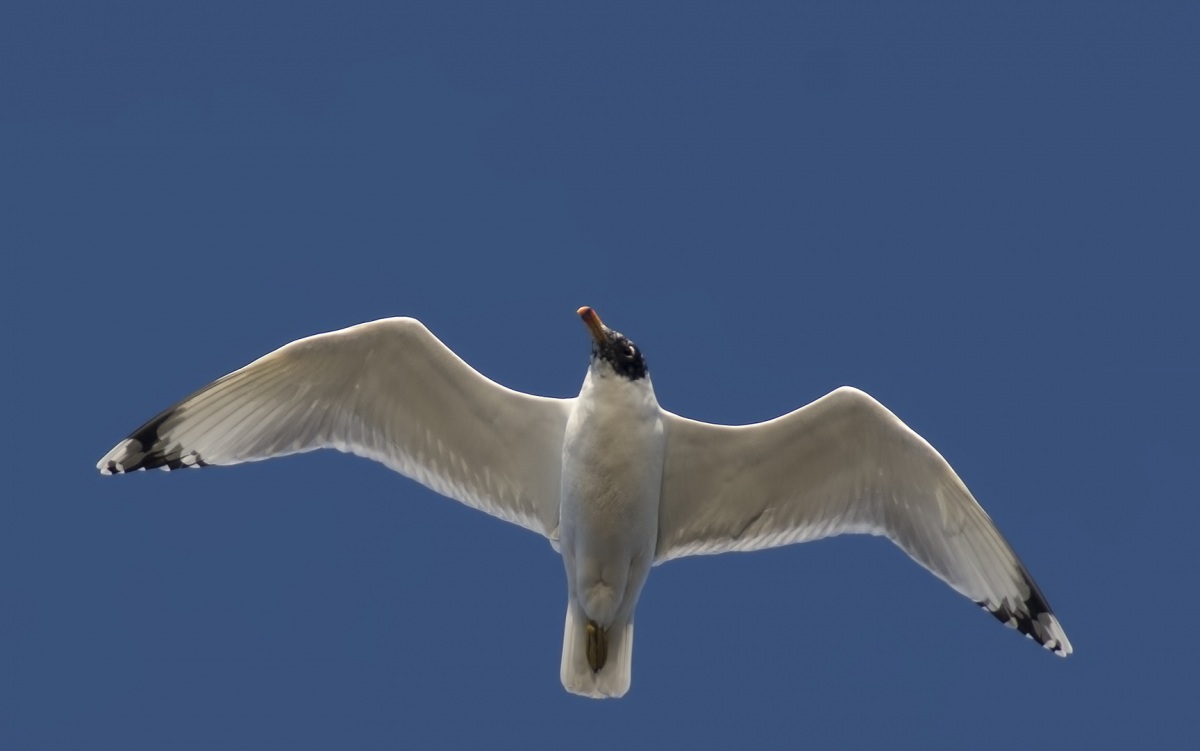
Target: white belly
[[612, 475]]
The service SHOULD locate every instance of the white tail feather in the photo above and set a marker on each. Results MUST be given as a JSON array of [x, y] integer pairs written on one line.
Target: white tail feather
[[577, 677]]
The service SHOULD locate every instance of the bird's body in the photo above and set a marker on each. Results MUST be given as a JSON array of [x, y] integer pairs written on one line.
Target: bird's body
[[616, 483], [612, 476]]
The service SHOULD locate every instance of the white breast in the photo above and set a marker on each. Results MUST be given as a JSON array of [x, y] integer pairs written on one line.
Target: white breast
[[612, 476]]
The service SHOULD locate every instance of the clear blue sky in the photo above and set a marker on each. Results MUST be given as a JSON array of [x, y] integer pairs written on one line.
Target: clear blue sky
[[985, 216]]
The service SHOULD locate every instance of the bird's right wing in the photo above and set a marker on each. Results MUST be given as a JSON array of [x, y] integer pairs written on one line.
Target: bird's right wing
[[843, 464], [387, 390]]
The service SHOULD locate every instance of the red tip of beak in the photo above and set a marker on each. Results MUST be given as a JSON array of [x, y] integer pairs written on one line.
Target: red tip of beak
[[594, 324]]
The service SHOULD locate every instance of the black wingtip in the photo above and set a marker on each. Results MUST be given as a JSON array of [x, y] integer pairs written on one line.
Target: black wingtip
[[1033, 618], [146, 448]]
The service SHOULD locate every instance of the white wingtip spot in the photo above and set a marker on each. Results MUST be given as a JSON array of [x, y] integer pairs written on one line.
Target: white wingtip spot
[[1057, 640], [116, 460]]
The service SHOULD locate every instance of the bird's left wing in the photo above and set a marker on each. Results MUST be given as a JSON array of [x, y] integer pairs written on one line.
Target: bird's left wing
[[842, 464], [388, 390]]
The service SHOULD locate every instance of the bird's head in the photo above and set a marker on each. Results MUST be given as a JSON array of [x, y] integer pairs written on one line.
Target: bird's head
[[613, 347]]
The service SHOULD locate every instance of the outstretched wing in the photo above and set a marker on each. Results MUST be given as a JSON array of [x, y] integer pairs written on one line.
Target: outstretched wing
[[388, 390], [843, 464]]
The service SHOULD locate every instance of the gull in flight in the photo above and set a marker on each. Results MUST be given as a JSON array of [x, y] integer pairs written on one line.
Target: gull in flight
[[615, 482]]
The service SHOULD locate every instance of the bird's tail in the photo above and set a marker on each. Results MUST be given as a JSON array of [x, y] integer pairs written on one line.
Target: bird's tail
[[612, 680]]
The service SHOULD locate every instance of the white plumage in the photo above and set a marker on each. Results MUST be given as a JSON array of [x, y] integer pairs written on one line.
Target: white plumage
[[616, 483]]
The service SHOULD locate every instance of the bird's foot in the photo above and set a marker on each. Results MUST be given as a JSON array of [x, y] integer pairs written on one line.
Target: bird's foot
[[597, 646]]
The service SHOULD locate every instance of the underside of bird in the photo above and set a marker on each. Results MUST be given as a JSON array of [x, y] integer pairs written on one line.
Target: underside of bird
[[646, 486]]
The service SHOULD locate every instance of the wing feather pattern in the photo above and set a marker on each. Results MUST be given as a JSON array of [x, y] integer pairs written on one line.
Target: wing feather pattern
[[387, 390], [843, 464]]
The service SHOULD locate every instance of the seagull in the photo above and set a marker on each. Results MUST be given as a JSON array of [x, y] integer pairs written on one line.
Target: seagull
[[616, 483]]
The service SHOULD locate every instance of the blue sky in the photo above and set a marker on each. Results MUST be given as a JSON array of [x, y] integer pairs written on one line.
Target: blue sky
[[985, 216]]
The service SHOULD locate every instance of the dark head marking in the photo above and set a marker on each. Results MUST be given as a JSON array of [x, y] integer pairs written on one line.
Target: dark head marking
[[613, 347]]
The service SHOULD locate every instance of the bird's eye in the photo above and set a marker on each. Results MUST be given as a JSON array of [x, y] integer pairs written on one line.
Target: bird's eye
[[630, 351]]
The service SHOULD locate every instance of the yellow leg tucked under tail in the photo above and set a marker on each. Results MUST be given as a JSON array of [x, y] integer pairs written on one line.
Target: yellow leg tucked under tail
[[597, 646], [596, 662]]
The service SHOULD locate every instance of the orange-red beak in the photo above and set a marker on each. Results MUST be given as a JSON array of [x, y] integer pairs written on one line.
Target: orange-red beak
[[594, 324]]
